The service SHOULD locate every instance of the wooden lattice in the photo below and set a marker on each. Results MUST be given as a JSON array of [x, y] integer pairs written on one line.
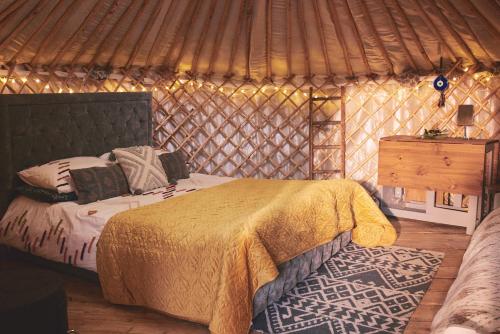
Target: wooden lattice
[[248, 129]]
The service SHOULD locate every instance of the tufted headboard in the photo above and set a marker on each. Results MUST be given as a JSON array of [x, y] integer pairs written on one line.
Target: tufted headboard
[[38, 128]]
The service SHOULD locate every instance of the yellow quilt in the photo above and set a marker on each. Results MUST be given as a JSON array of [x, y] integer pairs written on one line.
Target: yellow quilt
[[203, 256]]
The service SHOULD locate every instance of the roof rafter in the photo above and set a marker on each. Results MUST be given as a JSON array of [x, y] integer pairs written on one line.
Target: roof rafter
[[201, 41], [24, 22], [161, 32], [103, 41], [397, 34], [196, 9], [6, 13], [340, 36], [71, 40], [373, 30], [218, 36], [269, 38], [467, 26], [145, 32], [249, 19], [55, 29], [289, 38], [125, 37], [357, 36], [234, 45], [320, 27], [303, 36], [410, 28], [177, 35]]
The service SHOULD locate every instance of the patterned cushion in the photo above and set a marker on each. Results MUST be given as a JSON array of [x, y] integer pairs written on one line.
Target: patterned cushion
[[97, 183], [55, 174], [44, 195], [175, 166], [142, 168]]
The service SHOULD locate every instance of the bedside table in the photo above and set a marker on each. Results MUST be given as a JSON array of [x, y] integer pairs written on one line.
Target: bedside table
[[451, 167]]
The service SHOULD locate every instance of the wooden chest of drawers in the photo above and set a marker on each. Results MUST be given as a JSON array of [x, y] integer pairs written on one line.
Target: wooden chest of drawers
[[458, 170], [448, 164]]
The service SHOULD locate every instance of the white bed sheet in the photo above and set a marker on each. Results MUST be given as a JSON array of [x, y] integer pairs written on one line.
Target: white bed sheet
[[68, 232]]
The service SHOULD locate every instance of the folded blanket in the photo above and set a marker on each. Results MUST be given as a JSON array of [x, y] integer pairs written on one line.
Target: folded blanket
[[203, 256]]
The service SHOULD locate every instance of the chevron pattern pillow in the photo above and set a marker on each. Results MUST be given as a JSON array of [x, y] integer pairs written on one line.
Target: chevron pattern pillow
[[142, 168]]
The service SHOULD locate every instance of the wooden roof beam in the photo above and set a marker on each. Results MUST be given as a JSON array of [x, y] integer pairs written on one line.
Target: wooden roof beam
[[289, 38], [357, 37], [249, 19], [234, 44], [185, 38], [303, 37], [334, 17], [221, 28], [126, 36], [201, 42], [467, 26], [11, 8], [410, 28], [54, 30], [320, 27], [24, 22], [97, 27], [269, 38], [111, 32], [380, 44], [177, 35], [145, 32], [71, 40], [161, 32], [400, 40], [429, 24], [465, 48]]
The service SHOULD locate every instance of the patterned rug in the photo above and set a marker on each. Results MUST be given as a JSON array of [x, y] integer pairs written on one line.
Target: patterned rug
[[359, 290]]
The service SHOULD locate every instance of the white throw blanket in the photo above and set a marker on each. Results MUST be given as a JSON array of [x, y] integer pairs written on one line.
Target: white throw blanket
[[472, 304]]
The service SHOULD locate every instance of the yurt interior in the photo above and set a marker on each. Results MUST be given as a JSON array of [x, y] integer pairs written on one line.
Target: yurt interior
[[249, 166]]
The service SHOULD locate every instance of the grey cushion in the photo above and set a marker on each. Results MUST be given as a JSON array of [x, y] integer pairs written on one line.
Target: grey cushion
[[175, 166], [98, 183]]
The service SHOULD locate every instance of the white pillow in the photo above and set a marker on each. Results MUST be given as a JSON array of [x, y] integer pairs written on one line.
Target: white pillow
[[55, 174]]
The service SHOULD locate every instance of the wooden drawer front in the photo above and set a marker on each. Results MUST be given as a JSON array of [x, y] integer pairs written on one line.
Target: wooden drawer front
[[456, 168]]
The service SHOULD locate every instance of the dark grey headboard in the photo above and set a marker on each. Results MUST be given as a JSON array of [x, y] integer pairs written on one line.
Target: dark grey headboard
[[38, 128]]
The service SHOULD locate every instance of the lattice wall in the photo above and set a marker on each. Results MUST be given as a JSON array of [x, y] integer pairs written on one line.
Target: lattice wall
[[260, 130]]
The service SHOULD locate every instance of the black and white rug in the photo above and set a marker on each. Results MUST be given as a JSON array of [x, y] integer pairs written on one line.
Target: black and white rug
[[359, 290]]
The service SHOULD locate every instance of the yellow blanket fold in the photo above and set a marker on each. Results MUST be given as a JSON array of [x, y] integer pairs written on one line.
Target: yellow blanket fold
[[203, 256]]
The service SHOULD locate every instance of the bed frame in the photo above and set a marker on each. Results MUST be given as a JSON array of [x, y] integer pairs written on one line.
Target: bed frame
[[38, 128]]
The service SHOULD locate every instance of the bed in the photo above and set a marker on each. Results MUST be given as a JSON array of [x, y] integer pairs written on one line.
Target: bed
[[35, 129]]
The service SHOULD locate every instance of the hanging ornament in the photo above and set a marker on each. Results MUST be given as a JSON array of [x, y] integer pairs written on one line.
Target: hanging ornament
[[441, 84]]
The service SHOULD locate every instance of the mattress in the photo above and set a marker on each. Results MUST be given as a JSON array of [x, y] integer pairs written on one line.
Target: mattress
[[68, 232]]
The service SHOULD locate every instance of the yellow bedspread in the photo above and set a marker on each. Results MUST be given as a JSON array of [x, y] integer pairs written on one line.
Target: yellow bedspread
[[203, 256]]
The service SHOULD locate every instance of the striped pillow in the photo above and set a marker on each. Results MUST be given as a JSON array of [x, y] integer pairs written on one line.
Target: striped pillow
[[142, 168], [55, 174]]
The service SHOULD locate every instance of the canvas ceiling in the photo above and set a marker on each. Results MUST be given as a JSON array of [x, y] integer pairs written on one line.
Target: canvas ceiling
[[252, 38]]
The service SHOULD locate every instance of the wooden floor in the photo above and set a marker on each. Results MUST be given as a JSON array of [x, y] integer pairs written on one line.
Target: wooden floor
[[90, 313]]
